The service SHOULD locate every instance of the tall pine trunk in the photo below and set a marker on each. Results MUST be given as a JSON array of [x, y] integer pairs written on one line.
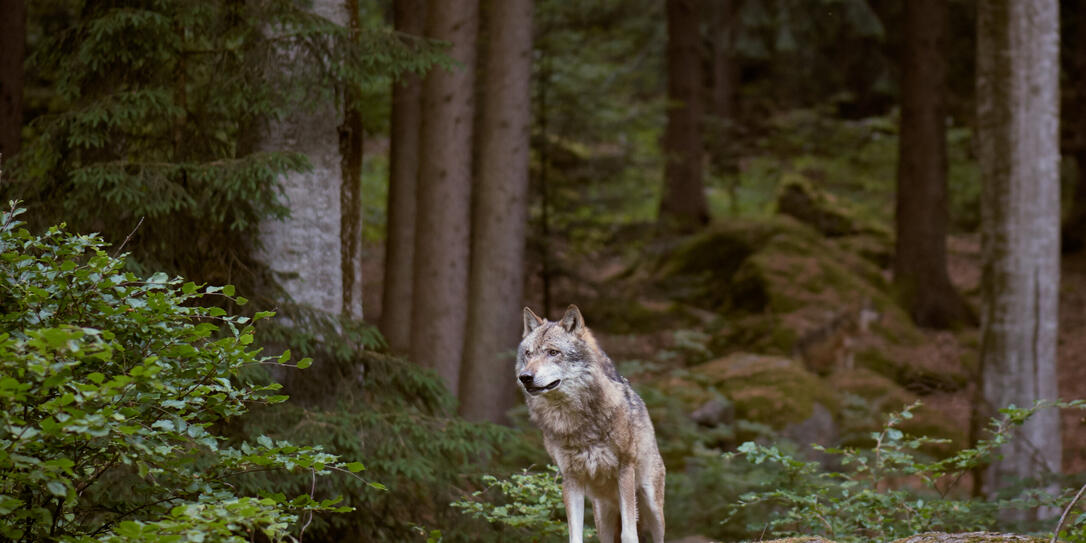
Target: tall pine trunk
[[351, 135], [1074, 230], [1018, 146], [725, 76], [683, 205], [303, 250], [487, 389], [410, 18], [12, 51], [920, 273], [443, 213]]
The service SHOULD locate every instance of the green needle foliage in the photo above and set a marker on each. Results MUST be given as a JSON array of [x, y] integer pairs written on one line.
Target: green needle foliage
[[113, 389], [158, 108]]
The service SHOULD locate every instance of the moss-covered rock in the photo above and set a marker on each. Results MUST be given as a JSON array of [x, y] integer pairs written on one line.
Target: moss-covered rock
[[772, 390], [798, 197], [782, 288], [971, 537], [878, 396], [874, 247], [629, 315], [801, 539]]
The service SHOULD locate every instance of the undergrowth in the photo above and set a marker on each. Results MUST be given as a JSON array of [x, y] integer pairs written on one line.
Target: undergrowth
[[884, 492]]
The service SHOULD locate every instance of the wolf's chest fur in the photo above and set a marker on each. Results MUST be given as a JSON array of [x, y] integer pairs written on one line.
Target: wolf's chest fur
[[580, 437], [587, 461]]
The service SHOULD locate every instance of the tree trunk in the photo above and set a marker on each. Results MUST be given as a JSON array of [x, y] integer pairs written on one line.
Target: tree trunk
[[725, 69], [1074, 229], [1018, 148], [920, 274], [683, 204], [723, 93], [410, 18], [442, 234], [351, 134], [303, 250], [12, 51], [487, 389]]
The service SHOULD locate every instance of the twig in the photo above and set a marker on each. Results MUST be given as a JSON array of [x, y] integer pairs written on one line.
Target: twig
[[312, 494], [125, 242], [1067, 510]]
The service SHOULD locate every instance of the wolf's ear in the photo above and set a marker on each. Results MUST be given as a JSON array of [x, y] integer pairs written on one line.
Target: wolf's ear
[[531, 322], [573, 321]]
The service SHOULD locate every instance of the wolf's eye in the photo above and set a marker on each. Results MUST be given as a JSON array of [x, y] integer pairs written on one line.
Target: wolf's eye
[[553, 352]]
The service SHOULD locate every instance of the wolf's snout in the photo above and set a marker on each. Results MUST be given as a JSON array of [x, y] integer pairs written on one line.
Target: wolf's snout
[[527, 379]]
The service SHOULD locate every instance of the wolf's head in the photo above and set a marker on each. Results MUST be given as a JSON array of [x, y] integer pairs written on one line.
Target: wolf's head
[[554, 355]]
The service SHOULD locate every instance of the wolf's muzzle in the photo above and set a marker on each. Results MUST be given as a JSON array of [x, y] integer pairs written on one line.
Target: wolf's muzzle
[[528, 381]]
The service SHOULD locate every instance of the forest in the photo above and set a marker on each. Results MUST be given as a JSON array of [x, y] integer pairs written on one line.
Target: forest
[[264, 264]]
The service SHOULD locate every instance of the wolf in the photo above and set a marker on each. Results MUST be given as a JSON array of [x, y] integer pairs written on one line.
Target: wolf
[[595, 427]]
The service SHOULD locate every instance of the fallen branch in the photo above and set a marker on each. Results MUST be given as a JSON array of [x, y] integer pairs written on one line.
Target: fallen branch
[[1066, 511]]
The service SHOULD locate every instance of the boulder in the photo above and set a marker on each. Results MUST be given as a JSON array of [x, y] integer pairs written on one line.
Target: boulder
[[773, 390], [778, 283], [798, 197], [971, 537]]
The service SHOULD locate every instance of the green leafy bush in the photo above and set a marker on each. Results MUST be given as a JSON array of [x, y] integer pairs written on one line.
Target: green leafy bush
[[531, 503], [402, 420], [889, 491], [113, 389]]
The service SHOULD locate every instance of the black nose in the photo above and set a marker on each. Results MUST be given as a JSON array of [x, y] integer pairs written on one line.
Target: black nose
[[527, 379]]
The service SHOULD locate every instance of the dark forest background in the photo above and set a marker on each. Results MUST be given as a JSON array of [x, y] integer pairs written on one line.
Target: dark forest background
[[785, 220]]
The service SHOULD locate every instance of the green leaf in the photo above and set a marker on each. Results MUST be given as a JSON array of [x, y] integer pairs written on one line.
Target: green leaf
[[305, 363], [57, 488], [188, 288], [355, 467], [228, 290]]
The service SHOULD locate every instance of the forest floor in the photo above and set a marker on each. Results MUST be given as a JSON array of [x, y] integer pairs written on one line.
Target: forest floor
[[964, 269]]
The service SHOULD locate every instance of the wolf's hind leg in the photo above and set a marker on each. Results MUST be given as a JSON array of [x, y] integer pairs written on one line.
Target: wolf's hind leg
[[651, 504]]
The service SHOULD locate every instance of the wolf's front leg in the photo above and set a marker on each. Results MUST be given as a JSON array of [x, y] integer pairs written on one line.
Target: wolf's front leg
[[627, 502], [573, 497]]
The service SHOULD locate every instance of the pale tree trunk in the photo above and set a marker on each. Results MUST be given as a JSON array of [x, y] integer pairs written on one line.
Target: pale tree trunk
[[920, 274], [443, 212], [12, 53], [683, 204], [1018, 147], [410, 18], [303, 250], [487, 389]]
